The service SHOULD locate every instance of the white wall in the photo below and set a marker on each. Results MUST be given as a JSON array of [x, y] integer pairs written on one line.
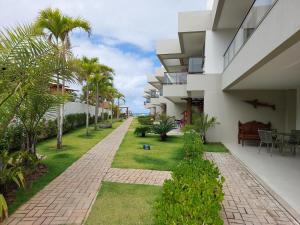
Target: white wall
[[290, 110], [76, 107], [229, 108], [175, 110], [216, 43], [298, 110]]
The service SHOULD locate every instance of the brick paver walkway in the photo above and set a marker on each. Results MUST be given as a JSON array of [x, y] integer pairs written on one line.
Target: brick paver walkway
[[246, 200], [68, 198], [137, 176]]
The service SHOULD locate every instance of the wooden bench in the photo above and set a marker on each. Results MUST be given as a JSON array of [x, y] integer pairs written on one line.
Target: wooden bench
[[249, 130]]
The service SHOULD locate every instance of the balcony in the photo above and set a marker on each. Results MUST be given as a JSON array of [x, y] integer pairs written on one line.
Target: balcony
[[196, 65], [154, 94], [256, 14], [175, 78]]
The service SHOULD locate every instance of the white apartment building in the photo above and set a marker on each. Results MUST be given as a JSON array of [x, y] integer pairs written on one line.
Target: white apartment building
[[241, 50]]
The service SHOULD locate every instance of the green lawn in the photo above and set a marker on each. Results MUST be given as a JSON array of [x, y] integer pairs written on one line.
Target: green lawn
[[215, 147], [162, 156], [75, 144], [126, 204]]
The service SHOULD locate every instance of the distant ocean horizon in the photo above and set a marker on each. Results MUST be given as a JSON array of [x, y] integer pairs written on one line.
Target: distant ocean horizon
[[140, 114]]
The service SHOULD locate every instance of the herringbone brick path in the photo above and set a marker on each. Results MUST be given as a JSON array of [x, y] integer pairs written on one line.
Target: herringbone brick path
[[137, 176], [246, 200], [68, 198]]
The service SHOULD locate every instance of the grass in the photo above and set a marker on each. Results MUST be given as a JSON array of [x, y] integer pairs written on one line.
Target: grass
[[215, 147], [124, 204], [162, 156], [75, 144]]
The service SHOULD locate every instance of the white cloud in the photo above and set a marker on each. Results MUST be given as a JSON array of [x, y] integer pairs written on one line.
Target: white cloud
[[137, 22], [130, 68]]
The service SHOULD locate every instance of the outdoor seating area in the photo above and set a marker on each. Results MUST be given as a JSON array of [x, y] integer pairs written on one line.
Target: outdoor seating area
[[283, 141]]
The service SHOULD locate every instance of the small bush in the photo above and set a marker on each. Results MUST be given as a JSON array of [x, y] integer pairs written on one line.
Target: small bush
[[193, 146], [193, 196], [164, 125], [145, 120], [142, 130]]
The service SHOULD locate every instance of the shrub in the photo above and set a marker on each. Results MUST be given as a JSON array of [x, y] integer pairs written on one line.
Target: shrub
[[14, 137], [165, 125], [193, 196], [193, 146], [141, 131], [145, 120]]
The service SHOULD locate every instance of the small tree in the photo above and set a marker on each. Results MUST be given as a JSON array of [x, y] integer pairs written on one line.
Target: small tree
[[33, 109], [165, 125], [203, 123]]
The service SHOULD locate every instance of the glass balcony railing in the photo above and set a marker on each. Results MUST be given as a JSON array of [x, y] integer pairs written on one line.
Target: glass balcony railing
[[147, 101], [255, 15], [196, 65], [175, 78], [154, 94]]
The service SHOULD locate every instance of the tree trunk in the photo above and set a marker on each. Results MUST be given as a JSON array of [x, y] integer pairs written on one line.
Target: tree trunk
[[163, 137], [59, 112], [97, 107], [111, 117], [87, 109], [118, 108]]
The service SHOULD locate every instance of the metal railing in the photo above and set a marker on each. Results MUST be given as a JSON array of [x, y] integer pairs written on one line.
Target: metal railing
[[256, 14], [175, 78]]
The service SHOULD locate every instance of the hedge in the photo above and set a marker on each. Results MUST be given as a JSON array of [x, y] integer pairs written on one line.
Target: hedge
[[194, 194], [14, 137]]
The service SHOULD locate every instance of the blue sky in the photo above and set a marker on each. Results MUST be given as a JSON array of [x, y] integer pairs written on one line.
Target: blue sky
[[123, 36]]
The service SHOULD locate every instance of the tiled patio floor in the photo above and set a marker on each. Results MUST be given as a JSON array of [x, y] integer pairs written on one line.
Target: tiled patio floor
[[246, 200], [136, 176], [68, 198]]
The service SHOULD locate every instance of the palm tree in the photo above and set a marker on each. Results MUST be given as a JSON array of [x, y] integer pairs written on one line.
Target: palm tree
[[87, 67], [57, 27], [99, 82], [119, 97]]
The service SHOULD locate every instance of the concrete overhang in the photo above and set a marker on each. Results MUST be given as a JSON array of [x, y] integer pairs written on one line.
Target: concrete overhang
[[160, 74], [280, 73], [148, 88], [229, 14], [154, 82], [175, 92]]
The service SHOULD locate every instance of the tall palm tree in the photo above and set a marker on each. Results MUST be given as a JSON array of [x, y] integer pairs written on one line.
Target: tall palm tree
[[100, 81], [119, 97], [57, 27], [87, 68]]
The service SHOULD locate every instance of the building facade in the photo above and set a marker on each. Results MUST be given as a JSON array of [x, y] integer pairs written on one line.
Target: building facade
[[236, 52]]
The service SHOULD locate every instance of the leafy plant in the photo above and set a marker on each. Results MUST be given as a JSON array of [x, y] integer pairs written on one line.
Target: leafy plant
[[165, 125], [141, 131], [203, 123], [145, 120], [193, 146], [3, 208], [10, 172], [193, 196]]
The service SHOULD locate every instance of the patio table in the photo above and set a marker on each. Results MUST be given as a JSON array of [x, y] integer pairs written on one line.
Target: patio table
[[281, 136]]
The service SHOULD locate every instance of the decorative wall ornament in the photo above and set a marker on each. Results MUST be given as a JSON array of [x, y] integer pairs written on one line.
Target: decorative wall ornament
[[255, 103]]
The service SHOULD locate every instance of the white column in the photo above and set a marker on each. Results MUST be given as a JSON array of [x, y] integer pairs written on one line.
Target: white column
[[298, 110]]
